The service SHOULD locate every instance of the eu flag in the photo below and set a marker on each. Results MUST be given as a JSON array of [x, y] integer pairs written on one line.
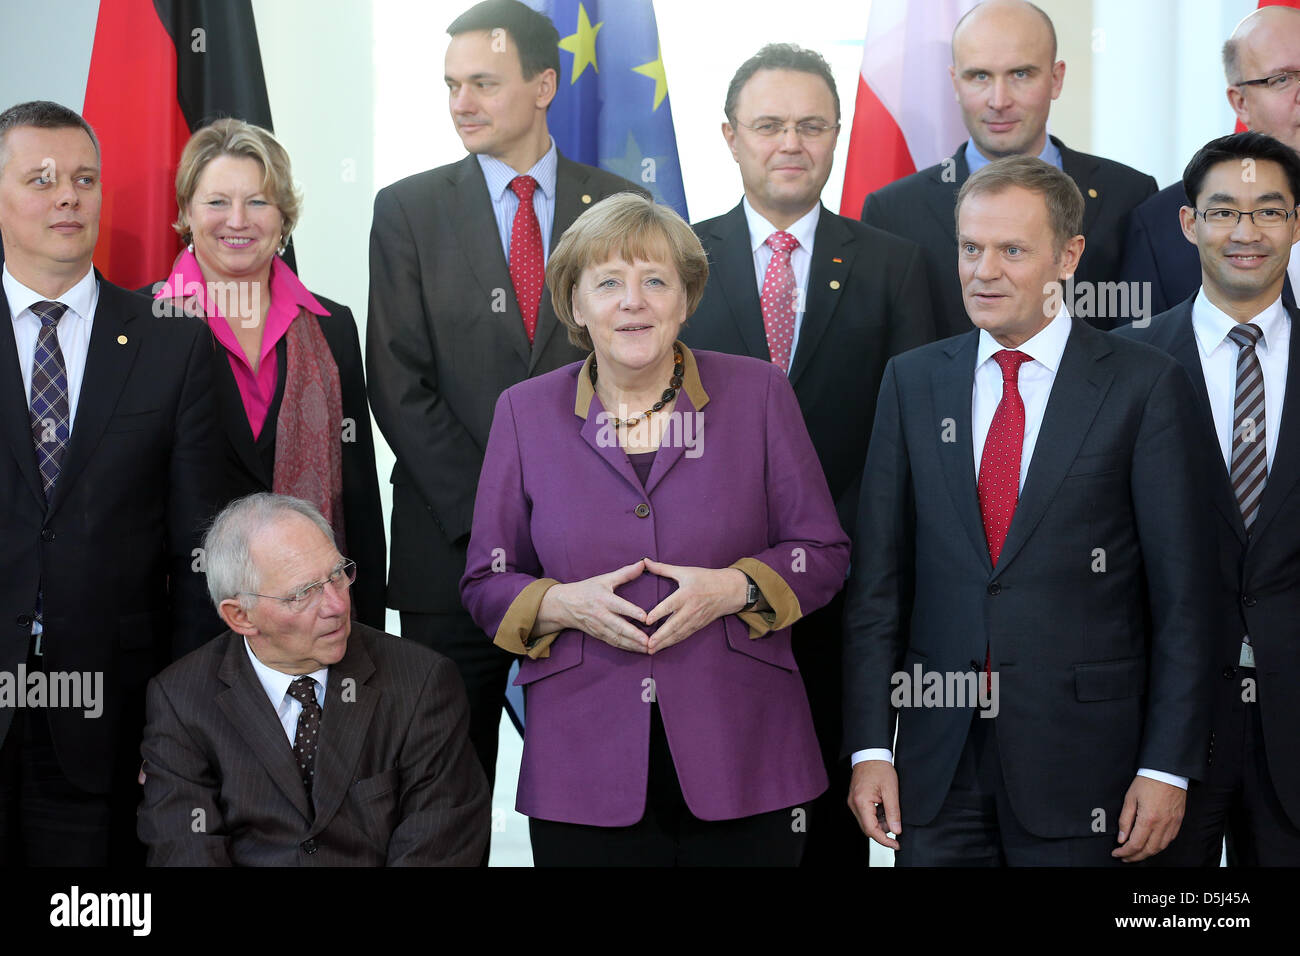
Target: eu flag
[[612, 108]]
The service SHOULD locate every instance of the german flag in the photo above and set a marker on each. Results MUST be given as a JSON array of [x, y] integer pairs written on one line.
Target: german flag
[[159, 70]]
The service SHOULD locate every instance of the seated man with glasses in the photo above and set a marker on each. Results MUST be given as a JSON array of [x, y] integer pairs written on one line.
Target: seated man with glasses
[[300, 737]]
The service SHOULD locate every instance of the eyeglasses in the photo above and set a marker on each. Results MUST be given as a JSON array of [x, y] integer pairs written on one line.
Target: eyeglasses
[[307, 596], [807, 129], [1278, 82], [1263, 218]]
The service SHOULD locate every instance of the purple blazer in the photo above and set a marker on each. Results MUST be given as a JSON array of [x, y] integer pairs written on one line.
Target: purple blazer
[[736, 483]]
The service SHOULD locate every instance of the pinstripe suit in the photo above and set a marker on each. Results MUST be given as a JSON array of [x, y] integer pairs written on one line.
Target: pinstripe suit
[[396, 780]]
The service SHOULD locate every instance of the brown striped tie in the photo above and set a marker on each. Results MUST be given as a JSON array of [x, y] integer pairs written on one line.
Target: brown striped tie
[[1249, 448]]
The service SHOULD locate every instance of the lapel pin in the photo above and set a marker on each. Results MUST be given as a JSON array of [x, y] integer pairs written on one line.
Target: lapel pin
[[1092, 193], [835, 283], [838, 261], [121, 340], [586, 199]]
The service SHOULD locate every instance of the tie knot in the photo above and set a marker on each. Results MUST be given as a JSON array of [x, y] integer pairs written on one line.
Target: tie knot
[[1010, 361], [49, 312], [782, 241], [303, 690], [523, 187], [1246, 336]]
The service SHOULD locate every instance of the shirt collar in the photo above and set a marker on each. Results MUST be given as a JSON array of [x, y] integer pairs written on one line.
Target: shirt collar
[[1045, 348], [803, 229], [499, 174], [1211, 324], [691, 384], [288, 293], [975, 160], [80, 299], [276, 683]]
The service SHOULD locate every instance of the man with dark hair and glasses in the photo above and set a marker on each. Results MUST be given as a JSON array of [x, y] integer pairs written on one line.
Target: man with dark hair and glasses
[[828, 300], [300, 737], [1261, 62], [1236, 338]]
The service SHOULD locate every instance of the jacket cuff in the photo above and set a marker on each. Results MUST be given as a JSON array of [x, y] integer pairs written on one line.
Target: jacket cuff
[[785, 606], [517, 625]]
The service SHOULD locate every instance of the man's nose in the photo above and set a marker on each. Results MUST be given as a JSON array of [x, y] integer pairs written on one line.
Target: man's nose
[[986, 266], [1245, 230], [336, 599], [999, 94]]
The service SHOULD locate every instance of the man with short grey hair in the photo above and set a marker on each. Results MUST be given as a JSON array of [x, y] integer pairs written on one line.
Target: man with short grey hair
[[300, 737]]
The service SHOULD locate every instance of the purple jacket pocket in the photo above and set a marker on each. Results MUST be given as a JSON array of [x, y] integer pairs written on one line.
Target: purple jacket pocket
[[566, 652], [771, 649]]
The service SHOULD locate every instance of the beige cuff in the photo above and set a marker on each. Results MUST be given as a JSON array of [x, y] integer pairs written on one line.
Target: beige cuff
[[785, 606], [517, 625]]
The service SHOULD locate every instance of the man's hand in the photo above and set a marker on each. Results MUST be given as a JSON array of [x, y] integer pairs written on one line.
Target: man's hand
[[703, 595], [591, 606], [1157, 809], [875, 784]]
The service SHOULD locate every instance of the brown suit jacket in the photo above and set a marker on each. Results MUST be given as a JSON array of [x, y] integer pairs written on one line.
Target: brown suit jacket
[[396, 780]]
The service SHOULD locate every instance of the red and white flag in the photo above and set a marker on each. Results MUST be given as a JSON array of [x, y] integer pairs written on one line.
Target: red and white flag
[[906, 117]]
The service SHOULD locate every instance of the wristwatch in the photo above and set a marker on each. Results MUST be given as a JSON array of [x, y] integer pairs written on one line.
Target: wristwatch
[[751, 595]]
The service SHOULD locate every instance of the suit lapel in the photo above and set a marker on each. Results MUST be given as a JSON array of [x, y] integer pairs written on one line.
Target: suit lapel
[[951, 389], [15, 413], [733, 270], [1077, 394], [1082, 168], [832, 258], [1286, 459], [238, 432], [599, 432], [472, 207], [250, 712], [108, 363], [349, 710], [942, 202], [570, 192]]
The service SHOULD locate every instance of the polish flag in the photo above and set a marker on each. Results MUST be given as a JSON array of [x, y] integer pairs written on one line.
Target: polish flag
[[906, 117]]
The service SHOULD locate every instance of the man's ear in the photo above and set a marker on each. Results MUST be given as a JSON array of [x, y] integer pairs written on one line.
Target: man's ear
[[546, 87], [235, 617], [729, 134], [1070, 256], [1187, 219], [1237, 100]]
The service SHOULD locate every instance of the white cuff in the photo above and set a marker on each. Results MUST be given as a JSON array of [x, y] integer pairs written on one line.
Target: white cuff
[[1172, 779], [872, 753]]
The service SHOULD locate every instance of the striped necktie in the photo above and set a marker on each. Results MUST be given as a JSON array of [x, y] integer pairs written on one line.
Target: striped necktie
[[49, 397], [1249, 448]]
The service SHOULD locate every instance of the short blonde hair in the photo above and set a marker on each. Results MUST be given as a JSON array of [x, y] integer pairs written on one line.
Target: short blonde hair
[[233, 137], [632, 227]]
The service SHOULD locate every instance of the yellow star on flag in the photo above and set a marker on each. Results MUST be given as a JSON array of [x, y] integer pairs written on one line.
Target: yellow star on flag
[[582, 45], [655, 70]]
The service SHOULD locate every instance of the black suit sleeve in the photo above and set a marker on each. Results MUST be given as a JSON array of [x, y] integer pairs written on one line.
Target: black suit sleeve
[[878, 596], [1139, 263], [434, 448]]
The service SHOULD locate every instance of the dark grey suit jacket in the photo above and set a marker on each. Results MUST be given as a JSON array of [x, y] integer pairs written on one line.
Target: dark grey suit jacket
[[1101, 654], [920, 207], [396, 781], [445, 338]]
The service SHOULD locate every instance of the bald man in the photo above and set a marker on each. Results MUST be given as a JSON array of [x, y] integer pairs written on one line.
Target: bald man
[[1005, 75], [1260, 64]]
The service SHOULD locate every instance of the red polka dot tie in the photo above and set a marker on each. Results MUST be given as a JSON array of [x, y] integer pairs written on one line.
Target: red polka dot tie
[[527, 264], [999, 484], [778, 299]]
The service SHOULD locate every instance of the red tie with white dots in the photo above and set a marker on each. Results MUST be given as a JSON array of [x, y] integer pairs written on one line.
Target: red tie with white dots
[[778, 299], [527, 264], [999, 481]]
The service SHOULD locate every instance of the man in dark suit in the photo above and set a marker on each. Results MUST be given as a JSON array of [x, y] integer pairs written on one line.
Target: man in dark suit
[[859, 297], [1236, 338], [109, 427], [1256, 61], [300, 738], [1030, 593], [1005, 73], [457, 316]]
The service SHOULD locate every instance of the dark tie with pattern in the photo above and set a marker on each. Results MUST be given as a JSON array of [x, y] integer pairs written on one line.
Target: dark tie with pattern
[[303, 690], [527, 263], [1249, 448], [49, 405]]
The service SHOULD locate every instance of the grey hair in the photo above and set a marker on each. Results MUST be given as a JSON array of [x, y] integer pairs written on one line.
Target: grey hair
[[229, 564]]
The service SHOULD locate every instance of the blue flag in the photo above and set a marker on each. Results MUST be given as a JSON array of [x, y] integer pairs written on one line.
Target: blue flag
[[611, 108]]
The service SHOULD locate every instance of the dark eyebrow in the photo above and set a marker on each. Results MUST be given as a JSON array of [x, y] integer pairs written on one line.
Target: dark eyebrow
[[472, 77]]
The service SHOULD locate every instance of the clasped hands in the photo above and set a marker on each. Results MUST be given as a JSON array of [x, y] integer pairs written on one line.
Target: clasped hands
[[703, 595]]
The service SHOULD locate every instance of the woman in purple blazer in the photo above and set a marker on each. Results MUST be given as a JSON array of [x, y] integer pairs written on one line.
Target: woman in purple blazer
[[649, 568]]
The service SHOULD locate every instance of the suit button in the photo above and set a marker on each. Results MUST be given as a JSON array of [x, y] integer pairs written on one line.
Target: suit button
[[309, 847], [1248, 600], [23, 620], [47, 534], [642, 510], [1230, 672], [995, 588]]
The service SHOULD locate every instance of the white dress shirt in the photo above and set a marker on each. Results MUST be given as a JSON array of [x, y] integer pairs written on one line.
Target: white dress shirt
[[1035, 385], [803, 229], [73, 331], [1219, 364], [276, 684]]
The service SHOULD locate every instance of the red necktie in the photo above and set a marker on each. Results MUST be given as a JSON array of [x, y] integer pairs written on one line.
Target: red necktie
[[527, 264], [999, 482], [777, 299]]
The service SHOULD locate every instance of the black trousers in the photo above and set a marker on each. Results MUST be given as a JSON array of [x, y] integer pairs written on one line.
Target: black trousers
[[976, 826], [669, 834], [1236, 801]]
